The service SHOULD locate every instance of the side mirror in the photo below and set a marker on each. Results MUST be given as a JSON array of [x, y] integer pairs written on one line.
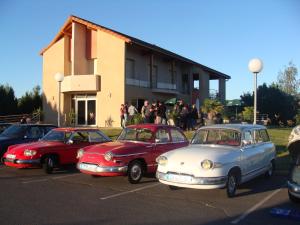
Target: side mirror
[[70, 142], [157, 140]]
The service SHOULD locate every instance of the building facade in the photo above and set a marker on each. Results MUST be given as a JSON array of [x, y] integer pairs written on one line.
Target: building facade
[[104, 68]]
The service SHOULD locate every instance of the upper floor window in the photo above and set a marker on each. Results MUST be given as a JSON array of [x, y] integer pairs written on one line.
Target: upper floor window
[[130, 68], [185, 84]]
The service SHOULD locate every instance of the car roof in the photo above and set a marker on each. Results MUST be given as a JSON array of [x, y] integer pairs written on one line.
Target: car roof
[[71, 129], [34, 124], [239, 127], [151, 126]]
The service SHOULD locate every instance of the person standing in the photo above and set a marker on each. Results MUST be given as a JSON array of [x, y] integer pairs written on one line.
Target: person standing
[[122, 112], [145, 111], [131, 112], [194, 116], [125, 113]]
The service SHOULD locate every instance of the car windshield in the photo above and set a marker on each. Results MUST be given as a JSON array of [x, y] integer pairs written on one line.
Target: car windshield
[[296, 174], [136, 134], [14, 131], [217, 137], [55, 135]]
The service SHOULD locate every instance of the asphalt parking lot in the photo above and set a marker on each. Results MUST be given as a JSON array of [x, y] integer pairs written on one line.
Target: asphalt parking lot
[[28, 196]]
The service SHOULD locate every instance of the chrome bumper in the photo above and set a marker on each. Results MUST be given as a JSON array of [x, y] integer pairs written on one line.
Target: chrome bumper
[[23, 161], [294, 189], [101, 169], [191, 180]]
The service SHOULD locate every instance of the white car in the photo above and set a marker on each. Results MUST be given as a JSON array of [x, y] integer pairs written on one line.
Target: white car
[[219, 156]]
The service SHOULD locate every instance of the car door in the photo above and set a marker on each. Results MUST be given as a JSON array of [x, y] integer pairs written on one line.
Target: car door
[[77, 140], [267, 148], [162, 143], [250, 154]]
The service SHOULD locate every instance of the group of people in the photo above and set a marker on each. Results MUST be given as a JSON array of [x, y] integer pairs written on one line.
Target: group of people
[[181, 115]]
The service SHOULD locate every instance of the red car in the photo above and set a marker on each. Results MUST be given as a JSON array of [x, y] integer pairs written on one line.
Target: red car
[[58, 147], [133, 153]]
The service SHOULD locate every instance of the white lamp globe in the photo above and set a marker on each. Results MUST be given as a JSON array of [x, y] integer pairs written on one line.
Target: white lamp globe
[[59, 77], [255, 65]]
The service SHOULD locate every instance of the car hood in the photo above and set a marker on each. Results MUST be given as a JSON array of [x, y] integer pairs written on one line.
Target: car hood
[[118, 147], [197, 153], [33, 146]]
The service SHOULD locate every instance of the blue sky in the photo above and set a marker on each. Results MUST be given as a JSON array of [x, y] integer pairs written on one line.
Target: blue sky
[[221, 34]]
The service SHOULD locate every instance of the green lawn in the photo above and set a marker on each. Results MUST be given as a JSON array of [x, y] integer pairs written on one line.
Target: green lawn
[[279, 136]]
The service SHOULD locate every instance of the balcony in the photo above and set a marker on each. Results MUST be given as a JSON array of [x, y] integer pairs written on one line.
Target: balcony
[[76, 83], [168, 88], [136, 82]]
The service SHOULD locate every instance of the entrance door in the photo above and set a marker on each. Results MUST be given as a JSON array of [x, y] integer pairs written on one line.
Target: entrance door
[[85, 110]]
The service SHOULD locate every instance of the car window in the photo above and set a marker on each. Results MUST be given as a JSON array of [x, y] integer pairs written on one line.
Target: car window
[[264, 135], [80, 136], [15, 131], [177, 136], [34, 132], [47, 129], [95, 136], [248, 137], [162, 136], [257, 137], [136, 134]]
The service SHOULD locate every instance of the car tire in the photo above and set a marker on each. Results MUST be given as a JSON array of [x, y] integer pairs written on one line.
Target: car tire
[[48, 164], [269, 173], [135, 172], [293, 198], [231, 184]]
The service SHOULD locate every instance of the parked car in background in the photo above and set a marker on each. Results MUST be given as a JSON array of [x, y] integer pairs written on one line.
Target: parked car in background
[[3, 126], [294, 178], [22, 133], [133, 153], [219, 156], [58, 147]]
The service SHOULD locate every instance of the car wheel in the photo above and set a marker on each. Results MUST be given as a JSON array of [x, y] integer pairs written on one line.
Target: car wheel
[[231, 184], [135, 172], [270, 170], [48, 164], [293, 198]]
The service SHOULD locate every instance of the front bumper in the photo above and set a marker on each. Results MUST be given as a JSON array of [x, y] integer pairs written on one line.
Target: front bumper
[[186, 180], [96, 169], [294, 189], [22, 161]]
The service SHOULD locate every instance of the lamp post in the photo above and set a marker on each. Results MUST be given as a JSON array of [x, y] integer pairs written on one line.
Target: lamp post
[[59, 78], [255, 66]]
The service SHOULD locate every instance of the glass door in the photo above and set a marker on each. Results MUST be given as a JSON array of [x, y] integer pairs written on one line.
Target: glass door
[[85, 110]]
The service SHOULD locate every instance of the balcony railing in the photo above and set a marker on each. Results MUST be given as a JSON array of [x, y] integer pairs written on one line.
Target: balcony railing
[[169, 86], [136, 82], [81, 83]]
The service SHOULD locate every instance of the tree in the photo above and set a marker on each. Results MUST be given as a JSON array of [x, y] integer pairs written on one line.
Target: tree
[[287, 79], [8, 101], [273, 101], [247, 99], [31, 101], [248, 114]]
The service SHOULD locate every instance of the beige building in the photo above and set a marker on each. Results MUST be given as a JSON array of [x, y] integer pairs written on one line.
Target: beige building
[[103, 68]]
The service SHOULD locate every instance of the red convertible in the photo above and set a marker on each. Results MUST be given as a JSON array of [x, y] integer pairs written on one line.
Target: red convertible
[[133, 153], [58, 147]]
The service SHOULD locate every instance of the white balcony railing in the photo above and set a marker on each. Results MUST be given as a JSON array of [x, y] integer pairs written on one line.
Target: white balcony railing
[[81, 83]]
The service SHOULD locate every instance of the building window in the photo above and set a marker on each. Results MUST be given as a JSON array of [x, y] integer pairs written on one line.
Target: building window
[[154, 75], [185, 84], [130, 68]]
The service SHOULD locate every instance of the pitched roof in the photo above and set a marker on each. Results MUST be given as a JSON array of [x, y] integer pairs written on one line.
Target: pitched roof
[[129, 39]]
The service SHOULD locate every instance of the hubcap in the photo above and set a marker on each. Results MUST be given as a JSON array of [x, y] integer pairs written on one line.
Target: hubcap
[[50, 162], [135, 172], [231, 184]]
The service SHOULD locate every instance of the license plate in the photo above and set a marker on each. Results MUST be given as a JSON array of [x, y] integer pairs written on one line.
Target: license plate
[[89, 167], [179, 178], [10, 156]]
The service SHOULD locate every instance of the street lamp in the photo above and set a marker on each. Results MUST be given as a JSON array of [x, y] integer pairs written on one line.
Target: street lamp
[[59, 78], [255, 66]]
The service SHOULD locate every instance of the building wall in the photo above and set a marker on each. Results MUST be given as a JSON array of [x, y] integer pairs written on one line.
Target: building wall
[[53, 62], [111, 68]]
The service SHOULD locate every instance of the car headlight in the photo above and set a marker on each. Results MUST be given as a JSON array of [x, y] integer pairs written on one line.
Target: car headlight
[[80, 153], [162, 160], [108, 156], [207, 164], [29, 152]]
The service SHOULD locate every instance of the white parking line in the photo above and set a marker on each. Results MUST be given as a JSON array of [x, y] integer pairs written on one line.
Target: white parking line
[[70, 175], [131, 191], [256, 206], [34, 181]]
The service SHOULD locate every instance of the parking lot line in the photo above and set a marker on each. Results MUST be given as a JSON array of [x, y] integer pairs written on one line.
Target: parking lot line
[[256, 206], [33, 181], [60, 177], [131, 191]]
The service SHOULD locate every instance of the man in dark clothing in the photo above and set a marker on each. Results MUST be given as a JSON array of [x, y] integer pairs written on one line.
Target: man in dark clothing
[[146, 112]]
